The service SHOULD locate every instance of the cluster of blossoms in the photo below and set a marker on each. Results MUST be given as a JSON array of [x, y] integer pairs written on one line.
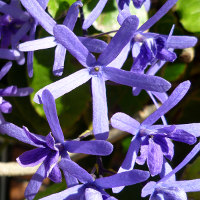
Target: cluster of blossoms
[[151, 142]]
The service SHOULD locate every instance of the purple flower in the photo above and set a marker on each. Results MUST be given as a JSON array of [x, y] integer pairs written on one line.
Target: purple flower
[[99, 72], [5, 106], [50, 148], [168, 188], [48, 42], [154, 140], [94, 189]]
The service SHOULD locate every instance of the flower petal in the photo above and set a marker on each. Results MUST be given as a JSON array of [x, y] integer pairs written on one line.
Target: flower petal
[[124, 122], [43, 43], [55, 175], [71, 42], [119, 41], [96, 147], [91, 194], [34, 8], [147, 82], [64, 85], [100, 109], [172, 100], [122, 179], [5, 69], [49, 107], [9, 54]]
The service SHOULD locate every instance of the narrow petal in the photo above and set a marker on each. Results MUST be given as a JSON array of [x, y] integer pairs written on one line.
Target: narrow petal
[[33, 157], [71, 42], [49, 107], [148, 188], [96, 147], [15, 132], [91, 194], [34, 8], [59, 60], [155, 158], [119, 41], [93, 45], [65, 85], [189, 185], [123, 179], [172, 100], [72, 15], [124, 122], [5, 69], [100, 109], [35, 183], [147, 82], [75, 170], [43, 43], [94, 14], [143, 152], [159, 14], [21, 92], [9, 91], [73, 192]]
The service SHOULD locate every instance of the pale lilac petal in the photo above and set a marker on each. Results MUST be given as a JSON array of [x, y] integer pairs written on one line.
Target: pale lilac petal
[[9, 91], [43, 43], [5, 107], [162, 97], [91, 194], [21, 92], [147, 82], [43, 3], [59, 60], [148, 188], [71, 42], [15, 132], [96, 147], [123, 179], [35, 183], [189, 185], [143, 152], [65, 85], [165, 170], [100, 109], [55, 175], [9, 54], [49, 107], [124, 122], [172, 100], [30, 63], [159, 14], [93, 45], [119, 41], [75, 170], [121, 58], [72, 15], [123, 15], [33, 157], [94, 14], [34, 8], [5, 69], [187, 159], [155, 158], [68, 194], [181, 42]]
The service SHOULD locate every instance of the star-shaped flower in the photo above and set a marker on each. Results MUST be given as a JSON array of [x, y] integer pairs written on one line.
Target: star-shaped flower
[[99, 71], [50, 148]]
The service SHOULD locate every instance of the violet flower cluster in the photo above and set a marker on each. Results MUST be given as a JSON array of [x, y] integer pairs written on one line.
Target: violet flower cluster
[[151, 143]]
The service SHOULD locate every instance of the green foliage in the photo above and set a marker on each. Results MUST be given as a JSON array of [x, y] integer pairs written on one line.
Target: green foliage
[[189, 12]]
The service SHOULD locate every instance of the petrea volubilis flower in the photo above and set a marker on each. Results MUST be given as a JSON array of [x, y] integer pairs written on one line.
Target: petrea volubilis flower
[[154, 140], [94, 189], [100, 71], [50, 148], [48, 23], [168, 188]]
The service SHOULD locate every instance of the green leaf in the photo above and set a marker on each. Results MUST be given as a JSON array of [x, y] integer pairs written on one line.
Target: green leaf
[[174, 71], [57, 7], [126, 143], [189, 12], [107, 21]]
